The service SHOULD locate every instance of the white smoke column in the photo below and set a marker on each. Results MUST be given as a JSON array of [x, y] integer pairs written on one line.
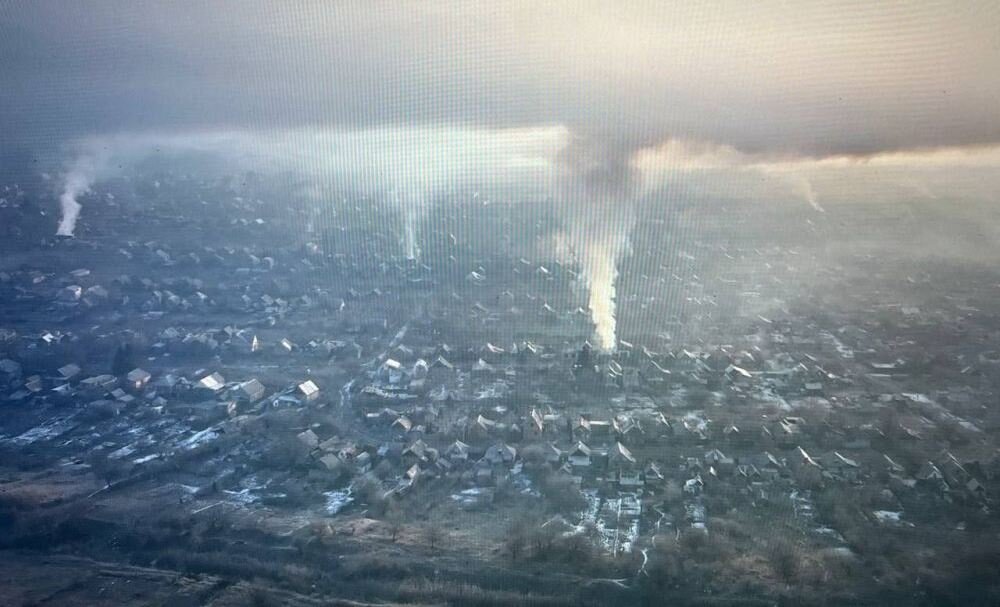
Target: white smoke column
[[412, 210], [597, 199], [79, 176], [412, 248], [600, 246]]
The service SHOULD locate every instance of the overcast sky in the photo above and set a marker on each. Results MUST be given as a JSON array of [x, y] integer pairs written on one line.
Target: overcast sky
[[765, 77]]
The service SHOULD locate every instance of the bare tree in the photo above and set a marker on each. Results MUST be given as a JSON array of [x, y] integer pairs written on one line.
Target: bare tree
[[433, 535], [394, 520], [516, 540]]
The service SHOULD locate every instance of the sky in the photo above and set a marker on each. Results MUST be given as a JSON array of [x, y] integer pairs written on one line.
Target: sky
[[788, 79]]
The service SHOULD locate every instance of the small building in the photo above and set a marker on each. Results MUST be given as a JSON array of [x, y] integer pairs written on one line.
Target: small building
[[457, 451], [481, 429], [501, 453], [719, 460], [630, 479], [309, 439], [652, 475], [844, 467], [580, 456], [814, 388], [68, 372], [252, 390], [537, 422], [308, 390], [138, 378], [418, 452], [620, 456], [401, 425], [213, 382], [975, 488]]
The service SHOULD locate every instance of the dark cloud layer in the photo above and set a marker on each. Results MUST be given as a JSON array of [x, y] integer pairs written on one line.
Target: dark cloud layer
[[811, 79]]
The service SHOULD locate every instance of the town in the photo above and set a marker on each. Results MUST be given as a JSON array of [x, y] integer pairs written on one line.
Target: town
[[261, 396]]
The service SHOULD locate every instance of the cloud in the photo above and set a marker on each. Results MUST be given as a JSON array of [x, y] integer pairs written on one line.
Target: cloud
[[821, 79]]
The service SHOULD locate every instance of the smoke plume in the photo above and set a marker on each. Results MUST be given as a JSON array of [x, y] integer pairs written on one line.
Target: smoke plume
[[412, 210], [77, 180], [596, 194], [407, 165]]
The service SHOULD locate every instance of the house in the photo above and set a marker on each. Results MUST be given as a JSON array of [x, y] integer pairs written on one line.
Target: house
[[252, 390], [652, 475], [692, 464], [457, 451], [843, 467], [807, 459], [482, 367], [628, 430], [212, 382], [331, 462], [790, 426], [138, 378], [748, 472], [418, 452], [481, 429], [100, 383], [442, 362], [363, 462], [931, 476], [391, 371], [694, 486], [309, 439], [553, 454], [975, 488], [483, 473], [954, 472], [891, 466], [401, 424], [10, 368], [620, 456], [501, 453], [537, 422], [596, 431], [68, 372], [814, 388], [420, 369], [929, 472], [770, 467], [738, 374], [662, 427], [718, 460], [580, 456], [630, 479], [443, 465], [308, 390], [118, 394]]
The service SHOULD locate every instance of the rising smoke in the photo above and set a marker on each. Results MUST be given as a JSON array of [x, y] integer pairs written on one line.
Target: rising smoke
[[595, 181], [79, 176], [412, 209], [408, 166], [596, 194]]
